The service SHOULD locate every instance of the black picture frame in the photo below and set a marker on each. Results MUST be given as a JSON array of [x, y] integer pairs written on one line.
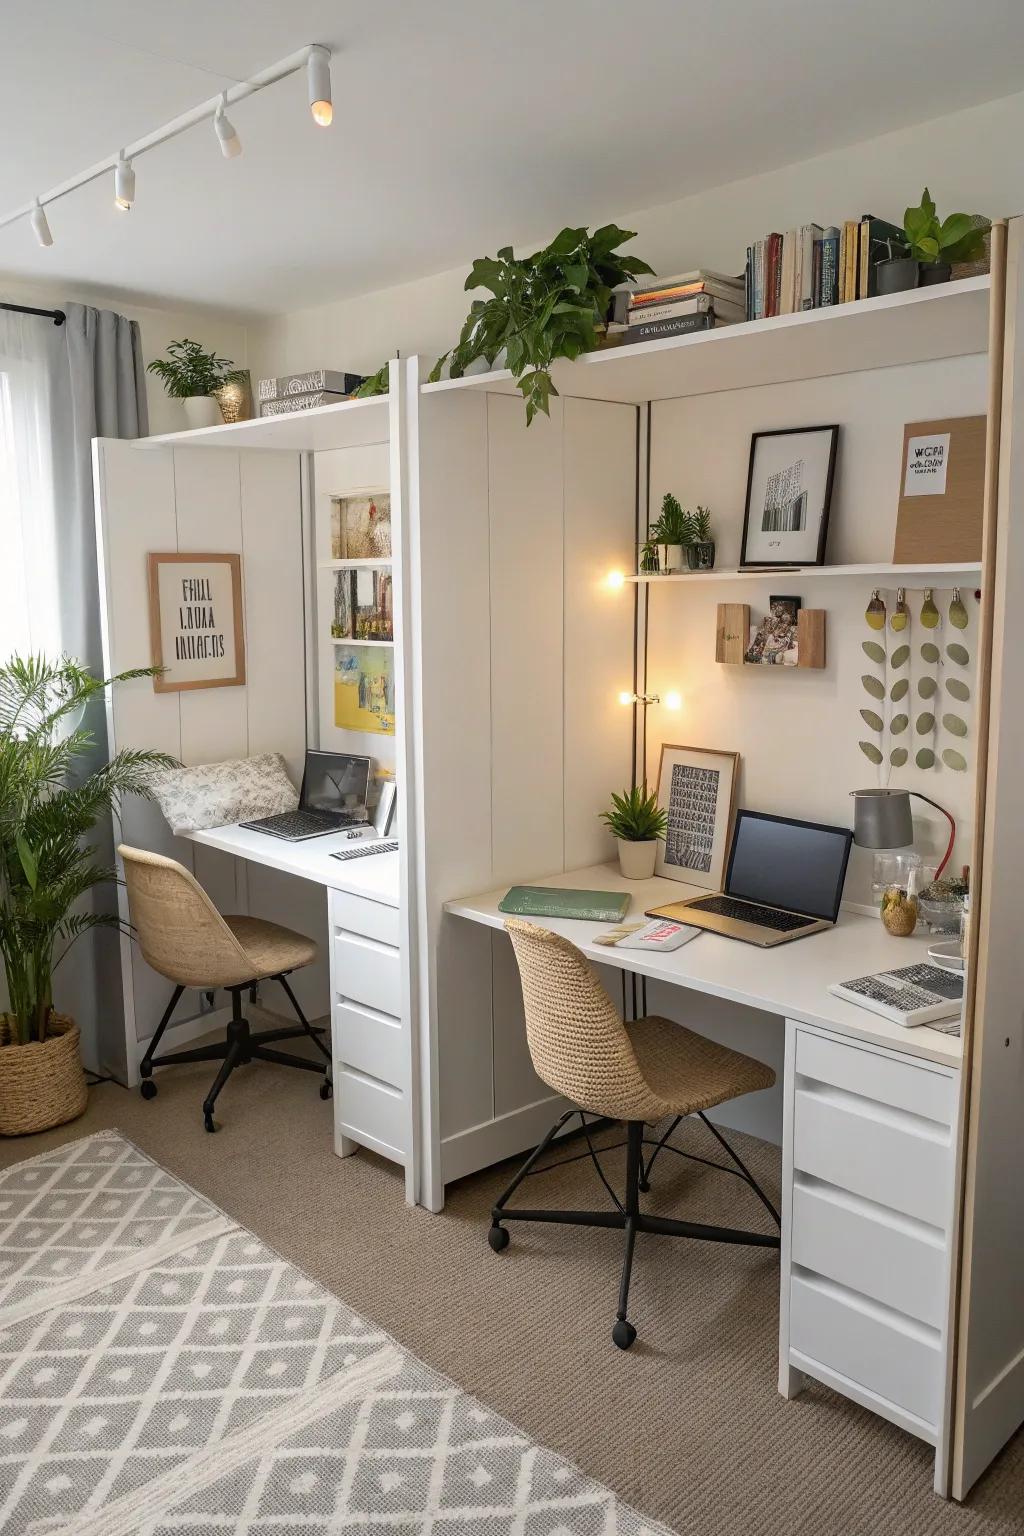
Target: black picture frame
[[791, 564]]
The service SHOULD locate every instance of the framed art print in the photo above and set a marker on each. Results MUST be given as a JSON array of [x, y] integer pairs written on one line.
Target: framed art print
[[789, 491], [195, 621], [697, 791]]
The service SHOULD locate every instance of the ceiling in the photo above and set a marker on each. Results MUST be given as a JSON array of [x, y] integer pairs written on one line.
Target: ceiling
[[459, 124]]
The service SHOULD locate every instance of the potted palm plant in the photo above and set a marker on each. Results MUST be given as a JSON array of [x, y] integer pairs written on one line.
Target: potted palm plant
[[700, 546], [637, 821], [671, 531], [48, 807], [192, 375]]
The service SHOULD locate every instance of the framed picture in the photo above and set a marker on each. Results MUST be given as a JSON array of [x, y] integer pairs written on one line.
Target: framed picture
[[789, 490], [361, 526], [697, 791], [195, 621], [364, 689], [363, 604]]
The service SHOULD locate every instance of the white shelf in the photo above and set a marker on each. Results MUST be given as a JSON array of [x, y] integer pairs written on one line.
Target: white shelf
[[355, 640], [353, 565], [347, 424], [881, 573], [945, 320]]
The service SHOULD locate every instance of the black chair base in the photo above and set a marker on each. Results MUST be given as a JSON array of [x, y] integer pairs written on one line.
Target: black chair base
[[238, 1048], [626, 1214]]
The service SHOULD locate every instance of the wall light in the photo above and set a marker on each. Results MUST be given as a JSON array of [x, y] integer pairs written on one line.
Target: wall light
[[41, 224], [673, 700], [639, 698], [318, 76], [124, 185], [230, 143], [615, 581]]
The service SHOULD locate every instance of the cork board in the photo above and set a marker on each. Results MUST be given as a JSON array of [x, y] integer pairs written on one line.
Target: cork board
[[942, 480]]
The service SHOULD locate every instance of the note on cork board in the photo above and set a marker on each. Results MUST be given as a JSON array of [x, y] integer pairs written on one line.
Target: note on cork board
[[942, 479]]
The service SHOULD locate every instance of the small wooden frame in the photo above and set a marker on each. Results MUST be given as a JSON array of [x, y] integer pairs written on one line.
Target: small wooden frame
[[942, 484], [195, 621], [733, 631]]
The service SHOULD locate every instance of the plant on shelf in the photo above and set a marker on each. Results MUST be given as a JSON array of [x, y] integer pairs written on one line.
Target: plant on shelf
[[376, 384], [649, 564], [671, 530], [49, 804], [637, 821], [542, 307], [191, 374], [930, 247], [699, 545]]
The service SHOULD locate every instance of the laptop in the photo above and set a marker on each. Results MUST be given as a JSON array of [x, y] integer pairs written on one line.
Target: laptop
[[333, 797], [784, 881]]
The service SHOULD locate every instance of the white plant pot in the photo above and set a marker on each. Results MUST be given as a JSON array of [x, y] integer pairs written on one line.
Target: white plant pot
[[202, 411], [637, 860], [673, 557]]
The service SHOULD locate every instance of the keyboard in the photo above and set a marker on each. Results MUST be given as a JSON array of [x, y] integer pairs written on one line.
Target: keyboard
[[296, 825], [363, 850], [748, 912]]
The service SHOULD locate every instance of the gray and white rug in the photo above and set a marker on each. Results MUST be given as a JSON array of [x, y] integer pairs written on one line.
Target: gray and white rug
[[162, 1371]]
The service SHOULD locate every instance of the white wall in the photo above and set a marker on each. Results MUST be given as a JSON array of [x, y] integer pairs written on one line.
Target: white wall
[[970, 160]]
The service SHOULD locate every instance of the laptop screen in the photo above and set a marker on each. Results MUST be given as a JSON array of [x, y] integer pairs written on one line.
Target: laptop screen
[[798, 865], [335, 781]]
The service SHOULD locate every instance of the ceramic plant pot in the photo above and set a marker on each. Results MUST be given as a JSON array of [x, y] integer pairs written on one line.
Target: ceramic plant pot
[[637, 860], [934, 272], [673, 557], [701, 557], [896, 274], [41, 1084], [202, 411]]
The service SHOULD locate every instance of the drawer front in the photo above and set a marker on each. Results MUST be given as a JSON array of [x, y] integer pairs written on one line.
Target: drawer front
[[892, 1260], [372, 919], [366, 971], [900, 1363], [369, 1041], [901, 1084], [364, 1106], [896, 1161]]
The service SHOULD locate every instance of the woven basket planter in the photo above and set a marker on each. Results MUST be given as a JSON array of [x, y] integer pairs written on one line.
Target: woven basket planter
[[41, 1084]]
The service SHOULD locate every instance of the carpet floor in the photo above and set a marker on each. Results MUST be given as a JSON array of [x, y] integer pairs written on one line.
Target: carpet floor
[[688, 1426]]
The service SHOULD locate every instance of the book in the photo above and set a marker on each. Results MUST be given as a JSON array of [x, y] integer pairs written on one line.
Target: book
[[701, 278], [556, 901], [699, 304], [787, 289], [660, 936], [849, 242], [652, 329], [912, 994], [828, 267], [773, 282], [309, 383], [308, 402], [873, 235], [806, 289]]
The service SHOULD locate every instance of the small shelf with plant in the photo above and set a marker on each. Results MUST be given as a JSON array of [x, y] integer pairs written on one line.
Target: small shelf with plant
[[637, 822]]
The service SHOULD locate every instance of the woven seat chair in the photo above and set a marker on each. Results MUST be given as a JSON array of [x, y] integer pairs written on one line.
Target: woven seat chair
[[184, 937], [639, 1073]]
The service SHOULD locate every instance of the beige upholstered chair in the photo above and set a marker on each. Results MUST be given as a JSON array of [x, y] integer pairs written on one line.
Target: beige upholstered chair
[[641, 1072], [184, 937]]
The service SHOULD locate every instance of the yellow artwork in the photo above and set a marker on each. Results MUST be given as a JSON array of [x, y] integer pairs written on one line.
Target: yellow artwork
[[364, 689]]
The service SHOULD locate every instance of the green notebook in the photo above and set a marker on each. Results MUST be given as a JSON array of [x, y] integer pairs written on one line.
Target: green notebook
[[553, 901]]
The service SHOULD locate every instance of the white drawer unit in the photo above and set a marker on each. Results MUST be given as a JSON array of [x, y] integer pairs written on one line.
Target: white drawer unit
[[868, 1180]]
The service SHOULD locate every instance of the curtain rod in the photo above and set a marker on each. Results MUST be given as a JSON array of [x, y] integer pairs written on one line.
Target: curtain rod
[[56, 315]]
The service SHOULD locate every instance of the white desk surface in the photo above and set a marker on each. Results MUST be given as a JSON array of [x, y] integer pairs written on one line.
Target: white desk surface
[[791, 980], [375, 876]]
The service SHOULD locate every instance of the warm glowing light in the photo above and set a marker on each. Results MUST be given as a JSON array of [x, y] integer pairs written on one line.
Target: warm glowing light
[[615, 580], [323, 113], [625, 698], [673, 700]]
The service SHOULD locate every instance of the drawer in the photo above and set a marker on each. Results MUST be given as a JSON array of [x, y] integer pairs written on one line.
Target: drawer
[[366, 971], [366, 1107], [370, 1041], [901, 1362], [886, 1257], [372, 919], [903, 1085], [897, 1160]]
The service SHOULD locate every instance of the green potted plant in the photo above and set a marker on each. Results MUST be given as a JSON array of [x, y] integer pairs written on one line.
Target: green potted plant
[[637, 821], [700, 546], [649, 564], [192, 375], [930, 247], [549, 305], [671, 531], [48, 807]]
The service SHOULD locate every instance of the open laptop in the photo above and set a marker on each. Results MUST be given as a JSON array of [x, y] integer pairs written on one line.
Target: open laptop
[[784, 881], [333, 797]]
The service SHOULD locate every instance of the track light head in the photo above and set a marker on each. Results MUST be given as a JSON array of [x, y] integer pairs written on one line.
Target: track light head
[[40, 224], [124, 185], [318, 77], [230, 143]]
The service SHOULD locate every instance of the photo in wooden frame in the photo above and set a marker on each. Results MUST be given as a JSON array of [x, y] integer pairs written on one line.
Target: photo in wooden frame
[[789, 495], [697, 791], [196, 629]]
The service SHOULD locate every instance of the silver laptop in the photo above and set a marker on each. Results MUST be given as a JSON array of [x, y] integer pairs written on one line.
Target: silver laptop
[[784, 881], [333, 797]]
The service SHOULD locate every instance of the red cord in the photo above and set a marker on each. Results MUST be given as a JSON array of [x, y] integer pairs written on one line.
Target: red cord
[[952, 828]]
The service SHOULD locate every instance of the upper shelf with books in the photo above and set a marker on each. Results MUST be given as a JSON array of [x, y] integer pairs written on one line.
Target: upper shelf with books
[[347, 424], [945, 320]]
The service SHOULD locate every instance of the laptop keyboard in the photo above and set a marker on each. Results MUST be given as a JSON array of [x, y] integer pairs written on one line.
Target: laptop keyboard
[[301, 823], [747, 912]]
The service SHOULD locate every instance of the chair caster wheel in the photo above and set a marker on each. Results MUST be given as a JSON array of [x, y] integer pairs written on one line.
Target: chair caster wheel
[[498, 1238], [643, 1186], [623, 1334], [208, 1122], [147, 1088], [326, 1090]]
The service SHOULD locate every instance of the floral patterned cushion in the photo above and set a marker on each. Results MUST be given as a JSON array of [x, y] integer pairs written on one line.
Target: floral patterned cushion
[[218, 794]]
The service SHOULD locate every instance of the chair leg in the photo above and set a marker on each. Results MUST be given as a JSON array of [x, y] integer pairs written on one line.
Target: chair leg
[[234, 1058], [744, 1170], [498, 1236], [147, 1088], [314, 1034], [623, 1333]]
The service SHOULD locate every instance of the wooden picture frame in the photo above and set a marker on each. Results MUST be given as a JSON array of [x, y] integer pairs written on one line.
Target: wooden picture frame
[[697, 790], [942, 487], [806, 547], [195, 642]]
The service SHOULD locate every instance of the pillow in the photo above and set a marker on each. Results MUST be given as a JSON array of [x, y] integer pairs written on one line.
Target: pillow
[[217, 794]]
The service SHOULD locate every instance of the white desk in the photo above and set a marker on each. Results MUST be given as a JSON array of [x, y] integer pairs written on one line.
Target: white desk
[[870, 1129], [375, 876]]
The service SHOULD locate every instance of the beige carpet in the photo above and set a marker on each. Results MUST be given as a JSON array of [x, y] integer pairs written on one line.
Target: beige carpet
[[688, 1426]]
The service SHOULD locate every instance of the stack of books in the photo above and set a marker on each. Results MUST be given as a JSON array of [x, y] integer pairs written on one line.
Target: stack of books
[[672, 306], [305, 391], [814, 266]]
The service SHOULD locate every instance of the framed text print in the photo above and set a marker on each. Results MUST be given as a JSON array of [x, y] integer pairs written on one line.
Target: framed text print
[[195, 621], [789, 489], [696, 790]]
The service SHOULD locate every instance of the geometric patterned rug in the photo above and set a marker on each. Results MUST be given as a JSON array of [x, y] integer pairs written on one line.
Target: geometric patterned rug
[[163, 1372]]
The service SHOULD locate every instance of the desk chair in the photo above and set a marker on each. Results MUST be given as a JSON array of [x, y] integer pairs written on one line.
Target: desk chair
[[184, 937], [639, 1073]]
